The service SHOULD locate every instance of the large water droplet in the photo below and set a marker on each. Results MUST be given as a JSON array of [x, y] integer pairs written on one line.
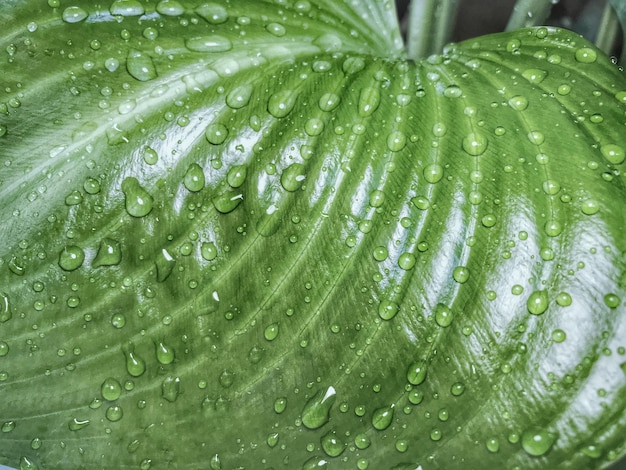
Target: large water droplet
[[126, 8], [443, 315], [170, 8], [170, 388], [71, 257], [615, 154], [416, 373], [212, 43], [194, 178], [331, 444], [111, 389], [140, 66], [109, 253], [537, 302], [537, 442], [534, 76], [164, 353], [388, 309], [135, 365], [281, 103], [237, 175], [585, 55], [316, 412], [518, 103], [213, 13], [74, 14], [139, 202], [475, 144], [369, 100], [208, 251], [382, 418], [76, 424], [239, 97], [227, 201], [293, 177], [396, 141], [329, 101]]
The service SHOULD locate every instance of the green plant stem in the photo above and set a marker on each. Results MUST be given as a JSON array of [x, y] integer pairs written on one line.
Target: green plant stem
[[529, 13], [431, 23]]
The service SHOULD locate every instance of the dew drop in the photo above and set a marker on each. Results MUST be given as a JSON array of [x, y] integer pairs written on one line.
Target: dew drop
[[208, 251], [111, 389], [227, 202], [282, 103], [612, 300], [164, 263], [140, 66], [416, 373], [271, 331], [170, 8], [194, 178], [553, 228], [293, 177], [239, 97], [439, 129], [590, 207], [114, 413], [585, 55], [150, 156], [369, 100], [475, 144], [27, 464], [537, 442], [237, 175], [396, 141], [537, 302], [534, 76], [314, 127], [71, 258], [331, 444], [551, 187], [109, 253], [138, 201], [433, 173], [76, 424], [216, 133], [387, 309], [276, 29], [164, 353], [170, 388], [461, 274], [126, 8], [212, 43], [213, 13], [382, 418], [316, 411], [407, 261], [443, 315], [518, 103], [74, 14], [135, 365], [613, 153], [329, 101]]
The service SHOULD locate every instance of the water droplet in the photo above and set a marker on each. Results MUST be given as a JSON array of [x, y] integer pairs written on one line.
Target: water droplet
[[439, 129], [551, 187], [109, 253], [150, 156], [271, 331], [91, 186], [140, 66], [362, 441], [227, 201], [170, 388], [380, 253], [613, 153], [281, 103], [416, 373], [407, 261], [443, 315], [387, 309], [5, 307], [239, 97], [475, 144], [164, 353], [114, 413], [212, 43], [369, 100], [138, 201], [293, 177], [111, 389], [272, 440], [27, 464], [74, 198], [329, 101], [590, 207], [493, 445], [194, 178], [396, 141], [457, 389], [118, 320], [382, 418], [331, 444], [74, 14], [71, 257], [518, 103], [213, 13], [536, 137], [276, 29], [612, 300], [553, 228], [585, 55], [452, 91], [208, 251], [316, 411], [135, 365], [314, 127], [537, 302], [353, 65], [537, 442], [433, 173], [558, 336], [126, 8], [16, 267], [315, 463], [280, 404], [461, 274], [216, 133], [237, 175], [534, 76], [164, 263], [170, 8]]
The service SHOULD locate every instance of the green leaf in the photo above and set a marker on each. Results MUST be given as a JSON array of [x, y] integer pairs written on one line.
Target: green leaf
[[250, 235]]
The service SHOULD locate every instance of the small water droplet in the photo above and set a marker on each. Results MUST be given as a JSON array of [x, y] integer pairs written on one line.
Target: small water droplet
[[416, 373], [293, 177], [212, 43], [228, 201], [170, 388], [316, 411], [164, 263], [407, 261], [208, 251], [76, 424], [534, 76], [71, 257], [150, 156], [109, 253], [276, 29], [140, 66], [138, 201], [612, 300], [387, 309], [170, 8], [164, 353], [461, 274], [433, 173], [518, 103], [110, 389], [114, 413], [382, 418], [271, 331], [443, 315], [216, 133], [590, 207], [396, 141], [239, 97], [585, 55], [135, 365], [537, 302], [613, 153], [329, 101], [237, 175]]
